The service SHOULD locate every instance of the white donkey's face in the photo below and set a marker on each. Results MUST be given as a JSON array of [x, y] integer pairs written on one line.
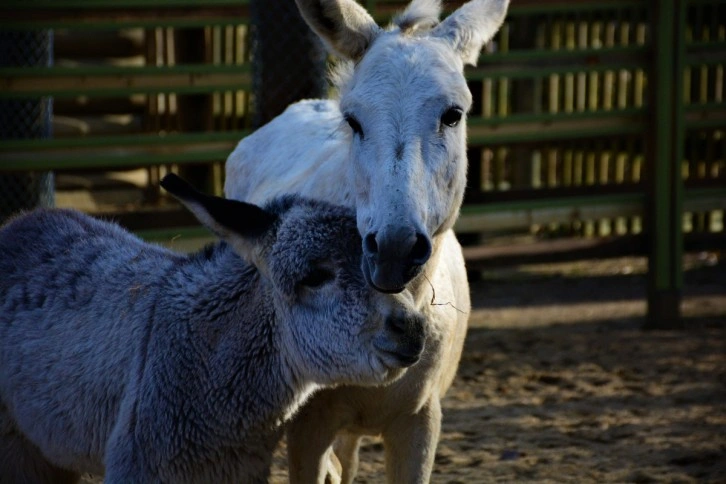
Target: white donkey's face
[[405, 103]]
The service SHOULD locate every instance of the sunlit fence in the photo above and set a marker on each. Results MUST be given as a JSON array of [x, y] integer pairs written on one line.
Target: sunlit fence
[[156, 85], [566, 116], [134, 86]]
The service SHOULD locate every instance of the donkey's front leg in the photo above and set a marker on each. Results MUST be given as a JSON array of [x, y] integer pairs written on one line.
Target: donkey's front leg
[[410, 442], [310, 436], [346, 450]]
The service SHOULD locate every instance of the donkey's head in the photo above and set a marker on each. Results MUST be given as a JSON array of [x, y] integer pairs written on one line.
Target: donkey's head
[[334, 327], [405, 101]]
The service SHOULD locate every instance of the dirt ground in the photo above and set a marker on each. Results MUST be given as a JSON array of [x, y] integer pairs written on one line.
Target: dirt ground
[[558, 383]]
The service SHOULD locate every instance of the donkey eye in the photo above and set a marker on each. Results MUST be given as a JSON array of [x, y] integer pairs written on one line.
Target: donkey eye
[[317, 277], [452, 116], [354, 124]]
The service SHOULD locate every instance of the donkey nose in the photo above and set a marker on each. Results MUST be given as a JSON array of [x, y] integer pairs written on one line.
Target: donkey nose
[[408, 330], [414, 250], [408, 325], [421, 250], [394, 257], [370, 246]]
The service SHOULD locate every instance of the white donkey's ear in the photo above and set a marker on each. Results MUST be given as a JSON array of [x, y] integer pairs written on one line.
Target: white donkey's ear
[[240, 224], [343, 25], [472, 25]]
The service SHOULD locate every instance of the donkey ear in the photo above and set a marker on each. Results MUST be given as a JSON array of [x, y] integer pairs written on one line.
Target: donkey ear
[[238, 223], [471, 26], [344, 26]]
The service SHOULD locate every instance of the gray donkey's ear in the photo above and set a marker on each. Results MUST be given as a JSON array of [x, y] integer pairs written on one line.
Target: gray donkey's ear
[[344, 26], [472, 25], [238, 223]]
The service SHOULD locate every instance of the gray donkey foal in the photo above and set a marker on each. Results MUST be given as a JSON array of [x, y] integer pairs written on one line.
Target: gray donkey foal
[[124, 358]]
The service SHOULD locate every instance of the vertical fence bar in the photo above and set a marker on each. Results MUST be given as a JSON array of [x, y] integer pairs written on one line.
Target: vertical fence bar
[[665, 184], [194, 110], [523, 101]]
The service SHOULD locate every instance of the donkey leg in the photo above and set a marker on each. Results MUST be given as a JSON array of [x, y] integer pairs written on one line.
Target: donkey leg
[[410, 443], [310, 437], [346, 449]]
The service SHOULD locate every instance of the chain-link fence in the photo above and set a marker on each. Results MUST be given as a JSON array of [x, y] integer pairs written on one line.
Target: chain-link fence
[[23, 119], [289, 59]]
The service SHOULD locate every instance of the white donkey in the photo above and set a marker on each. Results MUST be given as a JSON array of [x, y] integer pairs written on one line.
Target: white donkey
[[394, 147]]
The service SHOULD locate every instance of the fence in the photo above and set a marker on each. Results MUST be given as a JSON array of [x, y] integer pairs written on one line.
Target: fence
[[25, 119], [591, 118], [606, 118]]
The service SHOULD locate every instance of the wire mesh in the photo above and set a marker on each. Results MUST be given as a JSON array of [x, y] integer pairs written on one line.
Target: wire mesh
[[25, 118], [289, 59]]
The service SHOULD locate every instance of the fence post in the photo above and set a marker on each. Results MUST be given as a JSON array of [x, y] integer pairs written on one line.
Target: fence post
[[665, 182], [288, 59], [25, 118], [195, 110], [523, 101]]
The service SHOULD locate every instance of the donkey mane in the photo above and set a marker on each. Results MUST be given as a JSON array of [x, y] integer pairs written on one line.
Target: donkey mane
[[339, 73]]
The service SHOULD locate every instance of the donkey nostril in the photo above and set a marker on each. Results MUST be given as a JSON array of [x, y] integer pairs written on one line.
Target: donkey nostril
[[370, 245], [396, 325], [421, 250]]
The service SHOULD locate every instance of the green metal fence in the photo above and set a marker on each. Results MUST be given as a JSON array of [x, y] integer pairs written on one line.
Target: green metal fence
[[149, 83], [591, 118]]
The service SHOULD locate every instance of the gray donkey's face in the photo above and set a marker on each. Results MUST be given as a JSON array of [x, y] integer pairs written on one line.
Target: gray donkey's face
[[335, 328], [340, 329]]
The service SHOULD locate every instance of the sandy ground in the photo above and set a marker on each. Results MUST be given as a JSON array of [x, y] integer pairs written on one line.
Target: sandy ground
[[558, 383]]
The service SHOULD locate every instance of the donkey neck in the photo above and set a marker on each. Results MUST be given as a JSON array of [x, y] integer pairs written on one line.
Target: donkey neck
[[231, 339]]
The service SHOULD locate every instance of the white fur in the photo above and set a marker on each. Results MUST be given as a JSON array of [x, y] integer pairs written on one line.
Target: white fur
[[406, 173]]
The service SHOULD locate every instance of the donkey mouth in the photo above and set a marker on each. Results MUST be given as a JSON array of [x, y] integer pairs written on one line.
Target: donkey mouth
[[401, 356], [395, 290], [405, 360]]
